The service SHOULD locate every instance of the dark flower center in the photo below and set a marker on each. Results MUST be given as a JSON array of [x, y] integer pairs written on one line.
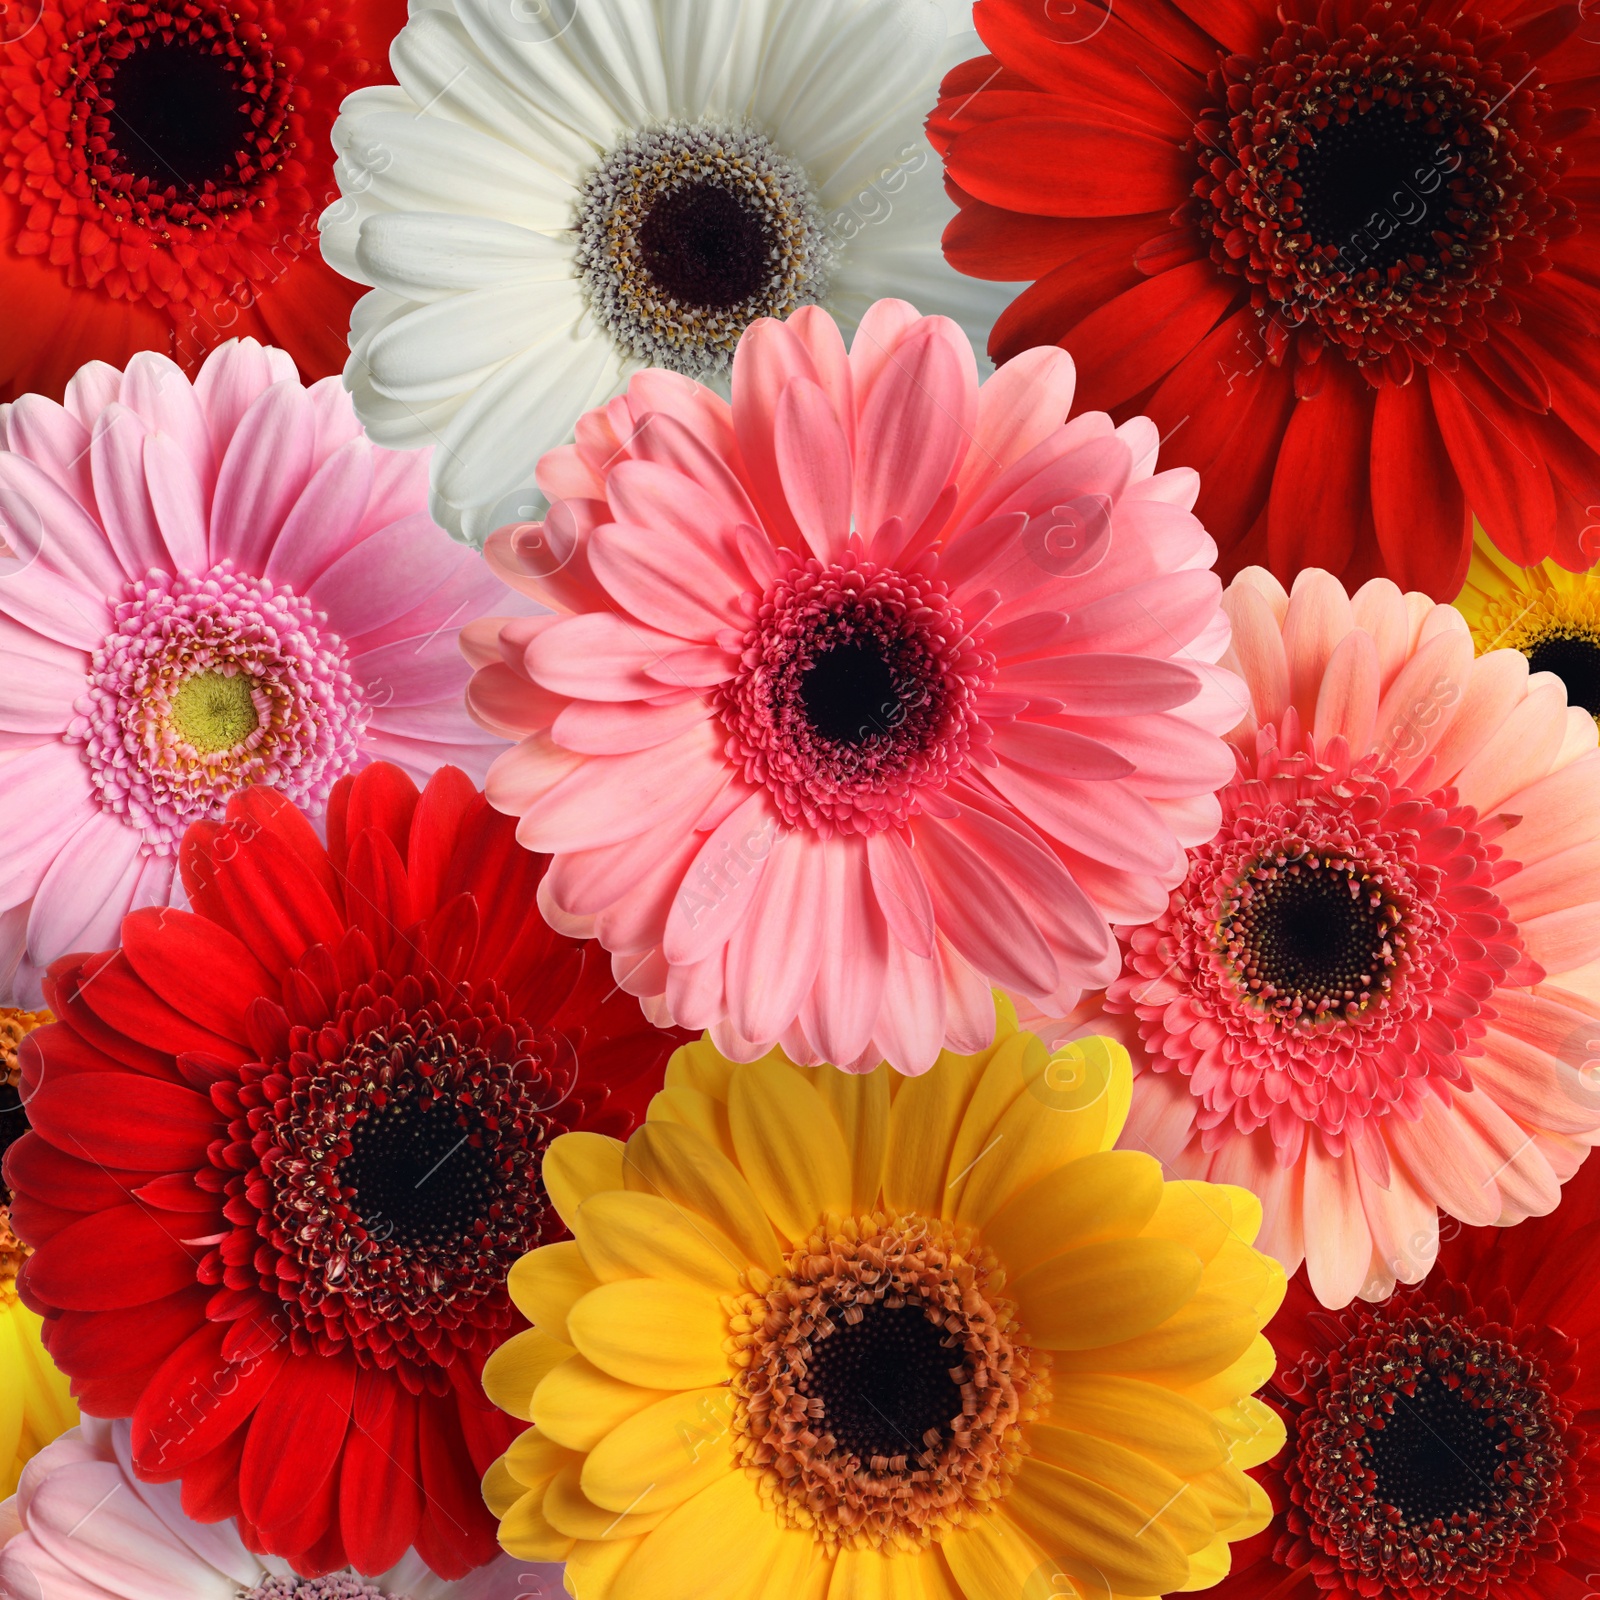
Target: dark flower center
[[177, 112], [1310, 935], [706, 246], [850, 694], [885, 1382], [419, 1171], [13, 1124], [1575, 660], [1373, 189], [1438, 1454]]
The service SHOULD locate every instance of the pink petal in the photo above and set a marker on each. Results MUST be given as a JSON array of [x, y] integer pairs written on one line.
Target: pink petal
[[91, 389], [55, 441], [1155, 618], [385, 576], [586, 883], [697, 997], [1257, 651], [969, 1016], [1404, 1224], [505, 702], [1338, 1240], [599, 656], [1018, 408], [1169, 756], [719, 886], [415, 672], [1562, 941], [666, 442], [1526, 1186], [1560, 882], [844, 1001], [1104, 685], [178, 500], [44, 800], [1418, 706], [156, 390], [1379, 607], [814, 467], [767, 357], [607, 728], [232, 379], [915, 426], [1347, 702], [823, 342], [1449, 1165], [879, 334], [774, 952], [1552, 810], [263, 471], [40, 681], [1046, 754], [525, 774], [910, 1026], [44, 523], [635, 921], [683, 585], [1520, 751], [1318, 618], [901, 891], [323, 523], [82, 899], [117, 458], [1537, 1088]]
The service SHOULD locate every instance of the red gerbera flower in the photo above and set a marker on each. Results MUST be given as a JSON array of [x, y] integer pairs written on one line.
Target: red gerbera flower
[[161, 173], [286, 1148], [1334, 248], [1445, 1442]]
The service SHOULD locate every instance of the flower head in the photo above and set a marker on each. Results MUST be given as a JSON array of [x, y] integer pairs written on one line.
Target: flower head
[[1442, 1442], [807, 1334], [1368, 1000], [1344, 253], [286, 1146], [209, 586], [868, 692], [86, 1526], [653, 179], [161, 174], [39, 1406]]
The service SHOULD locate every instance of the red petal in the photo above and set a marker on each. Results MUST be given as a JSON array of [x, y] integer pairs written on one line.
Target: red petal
[[382, 797], [267, 814], [197, 967], [125, 1119], [985, 242], [457, 1532], [211, 1484], [295, 1438], [1320, 489], [34, 1166], [1497, 457], [140, 1337], [380, 1488], [435, 828], [115, 1258], [377, 890], [64, 990], [1418, 509], [122, 1001]]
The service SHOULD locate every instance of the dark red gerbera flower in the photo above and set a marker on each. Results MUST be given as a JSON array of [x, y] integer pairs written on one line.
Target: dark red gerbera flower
[[162, 168], [286, 1148], [1446, 1441], [1346, 253]]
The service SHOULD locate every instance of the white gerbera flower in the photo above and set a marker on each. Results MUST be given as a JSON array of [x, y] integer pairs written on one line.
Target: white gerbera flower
[[559, 193]]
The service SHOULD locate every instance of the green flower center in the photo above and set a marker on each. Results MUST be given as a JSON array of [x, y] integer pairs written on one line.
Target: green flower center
[[214, 711]]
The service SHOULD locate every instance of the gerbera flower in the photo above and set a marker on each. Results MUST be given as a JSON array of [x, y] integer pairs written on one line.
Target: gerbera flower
[[1445, 1442], [1551, 615], [873, 691], [34, 1402], [86, 1527], [558, 196], [1369, 998], [161, 172], [812, 1337], [1343, 254], [211, 586], [286, 1146]]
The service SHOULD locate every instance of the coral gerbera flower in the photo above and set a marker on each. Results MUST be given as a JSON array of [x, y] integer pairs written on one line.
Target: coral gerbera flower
[[85, 1527], [35, 1404], [208, 587], [1344, 254], [871, 691], [653, 178], [161, 172], [1445, 1443], [1551, 615], [1369, 998], [814, 1335], [285, 1148]]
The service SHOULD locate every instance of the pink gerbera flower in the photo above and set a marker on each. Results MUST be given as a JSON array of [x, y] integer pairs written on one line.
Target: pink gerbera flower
[[1373, 997], [203, 587], [871, 691]]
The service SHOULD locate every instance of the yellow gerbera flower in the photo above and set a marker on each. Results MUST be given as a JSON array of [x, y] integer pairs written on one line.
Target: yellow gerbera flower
[[35, 1404], [1551, 615], [831, 1337]]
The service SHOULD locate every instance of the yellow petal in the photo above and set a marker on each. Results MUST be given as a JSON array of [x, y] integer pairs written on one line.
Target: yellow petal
[[656, 1334], [1214, 1390], [547, 1282], [500, 1490], [593, 1566], [1247, 1213], [568, 1509], [533, 1460], [923, 1118], [1010, 1067], [1209, 1567], [680, 1165], [1046, 1128], [664, 1454], [860, 1106], [897, 1575], [1201, 1339], [1108, 1195], [578, 1165], [625, 1234], [1106, 1293], [1247, 1278], [526, 1534], [1193, 1213], [1225, 1492], [716, 1546], [700, 1066], [789, 1148], [1157, 1423], [518, 1367], [1160, 1497], [1255, 1431], [694, 1108], [1114, 1537], [577, 1405], [991, 1558]]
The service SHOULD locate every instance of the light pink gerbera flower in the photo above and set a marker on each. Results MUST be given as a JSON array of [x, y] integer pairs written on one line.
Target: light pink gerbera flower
[[84, 1526], [202, 587], [1373, 997], [872, 691]]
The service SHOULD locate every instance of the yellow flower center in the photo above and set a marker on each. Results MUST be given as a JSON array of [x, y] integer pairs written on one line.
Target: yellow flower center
[[883, 1383], [1558, 630], [14, 1026], [214, 711]]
